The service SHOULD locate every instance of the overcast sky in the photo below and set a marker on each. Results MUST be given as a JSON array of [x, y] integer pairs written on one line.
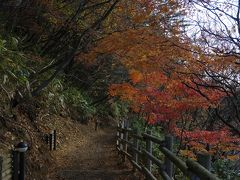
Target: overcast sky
[[216, 17]]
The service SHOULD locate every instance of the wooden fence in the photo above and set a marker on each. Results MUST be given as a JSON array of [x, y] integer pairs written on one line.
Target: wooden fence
[[10, 165], [6, 167], [138, 148]]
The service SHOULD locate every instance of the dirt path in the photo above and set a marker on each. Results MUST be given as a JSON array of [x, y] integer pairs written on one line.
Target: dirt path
[[90, 155]]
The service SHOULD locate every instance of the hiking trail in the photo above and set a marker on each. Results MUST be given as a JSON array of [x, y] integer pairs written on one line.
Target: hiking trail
[[90, 155]]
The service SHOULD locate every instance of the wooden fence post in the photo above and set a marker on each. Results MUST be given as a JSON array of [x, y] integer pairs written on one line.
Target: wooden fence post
[[1, 163], [126, 139], [121, 135], [6, 171], [204, 160], [136, 146], [149, 150], [118, 134], [168, 164]]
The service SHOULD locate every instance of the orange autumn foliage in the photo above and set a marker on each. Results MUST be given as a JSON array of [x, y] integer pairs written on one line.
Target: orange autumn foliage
[[135, 76], [166, 77], [218, 142]]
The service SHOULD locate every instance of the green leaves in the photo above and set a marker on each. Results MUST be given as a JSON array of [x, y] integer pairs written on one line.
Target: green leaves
[[120, 109], [12, 63], [2, 45], [77, 99], [226, 169]]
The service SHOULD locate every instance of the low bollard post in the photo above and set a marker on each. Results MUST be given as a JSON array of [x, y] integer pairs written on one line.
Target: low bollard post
[[15, 165], [46, 138], [51, 141], [21, 148], [97, 123], [54, 140]]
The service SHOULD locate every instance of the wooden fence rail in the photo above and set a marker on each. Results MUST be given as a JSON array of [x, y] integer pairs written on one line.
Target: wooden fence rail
[[138, 148]]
